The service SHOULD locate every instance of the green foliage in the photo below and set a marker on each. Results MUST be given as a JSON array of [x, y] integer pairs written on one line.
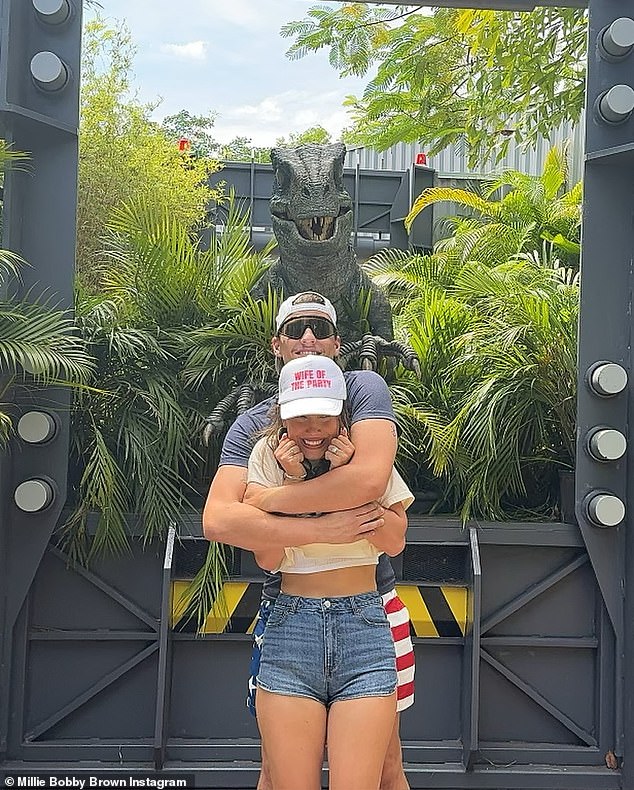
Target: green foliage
[[448, 75], [124, 156], [534, 212], [195, 129], [241, 149], [315, 134], [494, 324], [136, 431], [238, 351]]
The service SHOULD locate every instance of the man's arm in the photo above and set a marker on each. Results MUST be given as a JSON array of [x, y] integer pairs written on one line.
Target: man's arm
[[391, 539], [226, 519], [363, 479]]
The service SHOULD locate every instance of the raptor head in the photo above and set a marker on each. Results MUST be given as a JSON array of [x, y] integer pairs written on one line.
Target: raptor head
[[311, 210]]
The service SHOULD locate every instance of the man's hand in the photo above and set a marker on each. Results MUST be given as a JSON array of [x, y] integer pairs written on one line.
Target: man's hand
[[346, 526]]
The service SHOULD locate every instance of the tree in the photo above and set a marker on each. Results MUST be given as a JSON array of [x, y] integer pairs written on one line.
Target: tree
[[241, 149], [482, 77], [315, 134], [124, 156], [195, 128]]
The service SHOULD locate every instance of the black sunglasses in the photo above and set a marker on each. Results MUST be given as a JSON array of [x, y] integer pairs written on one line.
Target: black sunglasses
[[320, 327]]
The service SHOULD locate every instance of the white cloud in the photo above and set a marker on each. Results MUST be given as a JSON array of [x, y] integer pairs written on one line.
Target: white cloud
[[267, 111], [228, 57], [280, 115], [194, 50]]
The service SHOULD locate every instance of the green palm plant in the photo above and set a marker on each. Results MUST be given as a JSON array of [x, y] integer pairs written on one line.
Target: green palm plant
[[493, 415], [533, 211], [513, 383], [136, 431]]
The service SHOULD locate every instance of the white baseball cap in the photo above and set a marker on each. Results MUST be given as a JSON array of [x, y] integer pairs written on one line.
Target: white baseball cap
[[291, 307], [313, 384]]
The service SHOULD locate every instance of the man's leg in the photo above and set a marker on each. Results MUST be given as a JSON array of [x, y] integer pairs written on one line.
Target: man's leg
[[393, 776], [264, 780]]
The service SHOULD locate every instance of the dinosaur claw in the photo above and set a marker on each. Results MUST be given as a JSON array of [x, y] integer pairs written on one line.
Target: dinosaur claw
[[212, 428]]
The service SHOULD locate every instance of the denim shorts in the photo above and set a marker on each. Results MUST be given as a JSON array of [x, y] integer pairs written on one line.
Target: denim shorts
[[328, 649]]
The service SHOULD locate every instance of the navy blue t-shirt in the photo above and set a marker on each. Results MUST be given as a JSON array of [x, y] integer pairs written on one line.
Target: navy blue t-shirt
[[367, 398]]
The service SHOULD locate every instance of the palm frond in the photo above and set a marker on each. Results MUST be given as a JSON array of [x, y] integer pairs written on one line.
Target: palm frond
[[205, 589]]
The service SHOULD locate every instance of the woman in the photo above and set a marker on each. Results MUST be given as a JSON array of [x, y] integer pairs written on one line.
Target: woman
[[328, 662]]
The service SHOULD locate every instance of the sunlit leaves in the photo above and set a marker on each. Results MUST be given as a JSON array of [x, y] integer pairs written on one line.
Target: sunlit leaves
[[136, 435], [124, 157], [482, 77]]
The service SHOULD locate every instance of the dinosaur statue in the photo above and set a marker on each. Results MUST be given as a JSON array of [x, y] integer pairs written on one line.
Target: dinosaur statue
[[312, 222]]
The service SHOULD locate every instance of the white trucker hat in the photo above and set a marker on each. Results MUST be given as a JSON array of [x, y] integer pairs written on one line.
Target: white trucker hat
[[291, 307], [313, 384]]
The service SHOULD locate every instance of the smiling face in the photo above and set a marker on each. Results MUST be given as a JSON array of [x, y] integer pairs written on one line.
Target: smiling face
[[288, 348], [312, 434]]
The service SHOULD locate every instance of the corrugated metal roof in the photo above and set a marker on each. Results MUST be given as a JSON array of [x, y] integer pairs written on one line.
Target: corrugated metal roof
[[452, 162]]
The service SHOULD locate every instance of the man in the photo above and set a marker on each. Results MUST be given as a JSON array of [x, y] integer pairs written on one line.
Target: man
[[306, 324]]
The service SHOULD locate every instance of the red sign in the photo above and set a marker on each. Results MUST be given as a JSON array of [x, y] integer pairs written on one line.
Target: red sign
[[421, 159], [184, 144]]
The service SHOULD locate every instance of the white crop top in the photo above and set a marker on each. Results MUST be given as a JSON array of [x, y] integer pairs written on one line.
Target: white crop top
[[264, 470]]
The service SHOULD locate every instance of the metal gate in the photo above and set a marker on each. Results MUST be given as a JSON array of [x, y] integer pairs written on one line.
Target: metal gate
[[516, 670]]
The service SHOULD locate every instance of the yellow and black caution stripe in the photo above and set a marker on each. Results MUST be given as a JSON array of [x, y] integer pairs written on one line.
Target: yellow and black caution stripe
[[434, 611], [234, 611]]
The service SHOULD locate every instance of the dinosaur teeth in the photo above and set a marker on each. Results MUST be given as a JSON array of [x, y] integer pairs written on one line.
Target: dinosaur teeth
[[316, 228]]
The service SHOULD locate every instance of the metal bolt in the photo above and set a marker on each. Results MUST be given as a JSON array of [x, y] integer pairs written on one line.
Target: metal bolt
[[33, 495], [607, 379], [617, 40], [53, 12], [605, 510], [48, 71], [616, 104], [607, 444], [36, 427]]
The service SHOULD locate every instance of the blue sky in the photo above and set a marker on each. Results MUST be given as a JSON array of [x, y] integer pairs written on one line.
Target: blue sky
[[227, 56]]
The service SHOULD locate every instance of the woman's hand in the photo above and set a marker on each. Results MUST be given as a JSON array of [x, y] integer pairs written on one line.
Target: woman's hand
[[340, 450], [289, 457]]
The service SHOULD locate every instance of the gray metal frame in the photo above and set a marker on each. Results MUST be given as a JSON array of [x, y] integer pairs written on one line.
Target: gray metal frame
[[548, 604], [381, 202], [130, 688]]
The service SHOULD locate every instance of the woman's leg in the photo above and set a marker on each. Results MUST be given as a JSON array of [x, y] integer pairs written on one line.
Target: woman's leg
[[359, 731], [293, 733]]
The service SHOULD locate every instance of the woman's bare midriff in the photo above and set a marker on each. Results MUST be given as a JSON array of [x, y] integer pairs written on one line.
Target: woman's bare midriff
[[331, 584]]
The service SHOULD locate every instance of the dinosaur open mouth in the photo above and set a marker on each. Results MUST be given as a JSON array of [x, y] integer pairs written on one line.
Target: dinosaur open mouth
[[316, 228]]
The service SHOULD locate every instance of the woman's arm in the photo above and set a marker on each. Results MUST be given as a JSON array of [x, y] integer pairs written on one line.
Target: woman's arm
[[391, 539], [362, 480], [227, 519]]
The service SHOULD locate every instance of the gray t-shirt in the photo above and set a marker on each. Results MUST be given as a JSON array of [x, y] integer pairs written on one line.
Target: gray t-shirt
[[368, 398]]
